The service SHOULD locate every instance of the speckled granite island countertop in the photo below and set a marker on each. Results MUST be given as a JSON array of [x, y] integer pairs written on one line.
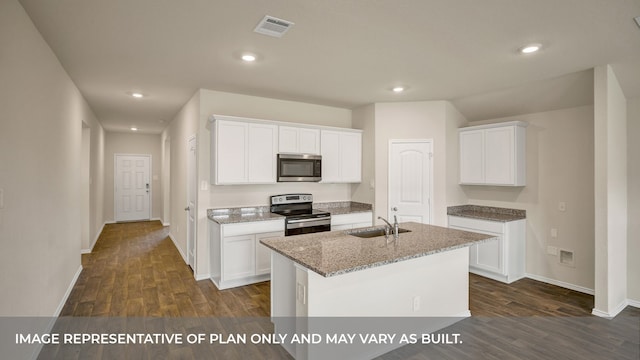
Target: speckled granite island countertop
[[487, 213], [336, 252]]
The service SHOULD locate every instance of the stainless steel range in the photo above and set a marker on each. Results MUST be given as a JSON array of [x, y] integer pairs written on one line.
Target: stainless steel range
[[300, 217]]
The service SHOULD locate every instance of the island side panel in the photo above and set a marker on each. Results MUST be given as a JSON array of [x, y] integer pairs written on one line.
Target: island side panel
[[283, 297], [433, 285]]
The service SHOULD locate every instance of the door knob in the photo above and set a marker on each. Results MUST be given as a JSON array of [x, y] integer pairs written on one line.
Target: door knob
[[187, 209], [395, 208]]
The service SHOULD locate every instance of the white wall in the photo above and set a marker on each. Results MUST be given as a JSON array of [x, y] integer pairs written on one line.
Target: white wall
[[41, 115], [559, 168], [610, 124], [417, 120], [363, 118], [133, 144], [633, 163], [184, 125]]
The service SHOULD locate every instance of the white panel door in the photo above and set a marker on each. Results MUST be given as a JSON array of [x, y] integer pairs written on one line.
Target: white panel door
[[192, 190], [132, 187], [410, 178]]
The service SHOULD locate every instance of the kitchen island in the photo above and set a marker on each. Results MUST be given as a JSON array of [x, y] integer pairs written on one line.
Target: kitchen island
[[316, 279]]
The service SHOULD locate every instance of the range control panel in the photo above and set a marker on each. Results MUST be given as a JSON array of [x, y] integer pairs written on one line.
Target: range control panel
[[291, 199]]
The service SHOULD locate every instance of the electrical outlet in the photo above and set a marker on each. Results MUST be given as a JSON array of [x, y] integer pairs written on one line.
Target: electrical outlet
[[552, 250], [562, 206], [416, 303]]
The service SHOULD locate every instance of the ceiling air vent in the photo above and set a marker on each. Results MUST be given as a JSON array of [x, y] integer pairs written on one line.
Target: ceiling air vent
[[272, 26]]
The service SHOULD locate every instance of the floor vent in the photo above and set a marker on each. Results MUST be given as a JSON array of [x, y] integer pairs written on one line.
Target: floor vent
[[272, 26]]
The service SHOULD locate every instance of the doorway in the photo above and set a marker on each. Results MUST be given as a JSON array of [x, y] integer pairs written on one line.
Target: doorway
[[132, 189], [192, 187], [410, 180]]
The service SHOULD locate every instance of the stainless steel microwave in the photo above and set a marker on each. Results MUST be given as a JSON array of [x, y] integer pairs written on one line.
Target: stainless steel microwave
[[299, 167]]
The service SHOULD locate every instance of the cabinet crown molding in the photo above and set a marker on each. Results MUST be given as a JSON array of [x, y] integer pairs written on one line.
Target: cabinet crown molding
[[495, 125], [215, 117]]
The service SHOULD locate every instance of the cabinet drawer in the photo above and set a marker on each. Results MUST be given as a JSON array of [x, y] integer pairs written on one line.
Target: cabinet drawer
[[494, 227], [254, 227], [353, 218]]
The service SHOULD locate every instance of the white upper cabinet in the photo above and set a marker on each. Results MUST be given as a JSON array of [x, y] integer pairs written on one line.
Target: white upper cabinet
[[493, 154], [243, 152], [341, 156], [299, 140]]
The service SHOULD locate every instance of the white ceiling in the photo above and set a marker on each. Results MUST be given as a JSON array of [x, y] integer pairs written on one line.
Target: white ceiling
[[343, 53]]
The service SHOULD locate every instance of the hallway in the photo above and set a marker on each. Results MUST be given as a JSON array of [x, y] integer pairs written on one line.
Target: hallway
[[135, 270]]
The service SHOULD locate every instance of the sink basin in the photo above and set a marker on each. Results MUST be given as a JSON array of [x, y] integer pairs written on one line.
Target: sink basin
[[369, 233]]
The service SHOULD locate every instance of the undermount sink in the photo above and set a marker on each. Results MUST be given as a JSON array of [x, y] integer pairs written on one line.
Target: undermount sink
[[369, 233]]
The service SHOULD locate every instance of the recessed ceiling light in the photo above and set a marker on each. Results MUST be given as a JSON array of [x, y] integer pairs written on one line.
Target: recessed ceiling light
[[134, 128], [249, 57], [398, 89], [137, 95], [531, 48]]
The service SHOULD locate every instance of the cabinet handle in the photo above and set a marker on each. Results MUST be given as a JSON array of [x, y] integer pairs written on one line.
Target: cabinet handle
[[395, 208]]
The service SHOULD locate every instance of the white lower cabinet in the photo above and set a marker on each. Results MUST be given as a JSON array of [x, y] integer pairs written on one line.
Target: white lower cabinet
[[237, 257], [351, 221], [502, 259]]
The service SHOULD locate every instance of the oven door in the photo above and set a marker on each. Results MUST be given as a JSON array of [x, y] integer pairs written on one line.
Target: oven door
[[299, 167], [306, 226]]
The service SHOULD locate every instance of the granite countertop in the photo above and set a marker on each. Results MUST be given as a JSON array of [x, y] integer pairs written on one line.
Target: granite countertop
[[487, 213], [336, 252], [242, 214], [263, 213], [343, 207]]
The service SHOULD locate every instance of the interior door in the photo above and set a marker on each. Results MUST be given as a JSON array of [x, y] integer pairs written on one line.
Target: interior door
[[410, 179], [132, 188], [192, 186]]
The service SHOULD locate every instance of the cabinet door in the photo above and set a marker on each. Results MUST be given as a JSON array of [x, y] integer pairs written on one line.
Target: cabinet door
[[351, 157], [499, 155], [287, 139], [331, 164], [263, 253], [262, 151], [472, 157], [489, 255], [309, 141], [239, 257], [231, 154]]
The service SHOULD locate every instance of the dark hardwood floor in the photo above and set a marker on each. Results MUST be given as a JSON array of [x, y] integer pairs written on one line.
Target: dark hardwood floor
[[136, 271]]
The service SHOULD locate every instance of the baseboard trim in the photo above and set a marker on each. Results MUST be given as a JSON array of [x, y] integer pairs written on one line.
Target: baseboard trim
[[634, 303], [184, 257], [562, 284], [93, 243], [166, 224], [68, 292], [610, 315], [202, 277]]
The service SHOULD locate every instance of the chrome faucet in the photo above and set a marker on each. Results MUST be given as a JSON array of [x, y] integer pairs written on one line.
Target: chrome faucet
[[395, 226]]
